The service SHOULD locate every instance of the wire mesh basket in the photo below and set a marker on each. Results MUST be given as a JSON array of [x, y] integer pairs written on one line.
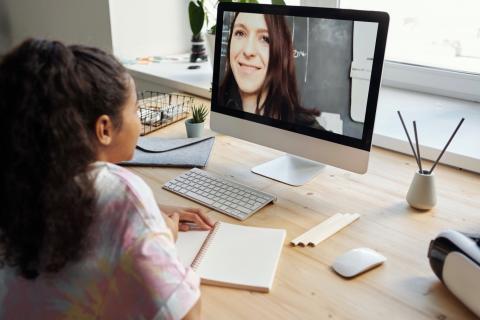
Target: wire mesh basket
[[157, 110]]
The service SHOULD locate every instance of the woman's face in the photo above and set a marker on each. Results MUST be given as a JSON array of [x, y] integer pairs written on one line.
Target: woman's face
[[249, 52]]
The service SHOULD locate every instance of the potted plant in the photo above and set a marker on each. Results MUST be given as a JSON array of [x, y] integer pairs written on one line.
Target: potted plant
[[198, 15], [196, 123]]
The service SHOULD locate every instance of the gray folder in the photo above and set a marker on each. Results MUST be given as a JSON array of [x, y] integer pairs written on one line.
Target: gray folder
[[156, 151]]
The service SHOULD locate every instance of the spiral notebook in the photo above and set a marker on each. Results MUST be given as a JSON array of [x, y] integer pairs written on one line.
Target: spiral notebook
[[232, 255]]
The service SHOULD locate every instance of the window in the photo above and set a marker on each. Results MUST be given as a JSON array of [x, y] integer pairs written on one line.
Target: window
[[433, 45], [211, 8]]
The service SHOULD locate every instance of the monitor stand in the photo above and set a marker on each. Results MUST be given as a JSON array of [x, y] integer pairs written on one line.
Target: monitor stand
[[289, 169]]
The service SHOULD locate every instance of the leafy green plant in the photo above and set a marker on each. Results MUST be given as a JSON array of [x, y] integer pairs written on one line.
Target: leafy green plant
[[197, 13], [199, 114], [197, 16]]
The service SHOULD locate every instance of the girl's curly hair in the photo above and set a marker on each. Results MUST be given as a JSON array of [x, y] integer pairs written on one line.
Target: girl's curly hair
[[50, 98]]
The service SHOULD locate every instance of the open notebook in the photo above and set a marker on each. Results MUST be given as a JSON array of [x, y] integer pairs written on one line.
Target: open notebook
[[232, 255]]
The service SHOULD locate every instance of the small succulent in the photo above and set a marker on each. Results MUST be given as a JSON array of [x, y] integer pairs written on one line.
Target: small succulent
[[199, 114]]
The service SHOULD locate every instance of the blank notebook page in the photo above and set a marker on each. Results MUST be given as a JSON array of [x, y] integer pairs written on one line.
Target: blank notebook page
[[242, 257], [188, 244]]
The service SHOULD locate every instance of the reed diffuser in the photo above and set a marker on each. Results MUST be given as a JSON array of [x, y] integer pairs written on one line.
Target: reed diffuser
[[421, 194]]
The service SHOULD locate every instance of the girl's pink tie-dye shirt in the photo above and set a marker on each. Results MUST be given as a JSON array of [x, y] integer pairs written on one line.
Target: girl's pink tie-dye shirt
[[131, 270]]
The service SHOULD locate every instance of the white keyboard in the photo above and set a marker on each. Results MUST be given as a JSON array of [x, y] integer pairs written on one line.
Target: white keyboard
[[218, 193]]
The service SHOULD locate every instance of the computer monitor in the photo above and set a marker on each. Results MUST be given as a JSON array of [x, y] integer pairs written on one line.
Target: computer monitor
[[303, 80]]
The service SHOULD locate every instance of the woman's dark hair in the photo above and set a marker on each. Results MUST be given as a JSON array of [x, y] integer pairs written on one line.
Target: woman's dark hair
[[282, 101], [50, 98]]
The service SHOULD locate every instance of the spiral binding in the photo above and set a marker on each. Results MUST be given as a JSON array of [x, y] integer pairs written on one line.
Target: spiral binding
[[203, 249]]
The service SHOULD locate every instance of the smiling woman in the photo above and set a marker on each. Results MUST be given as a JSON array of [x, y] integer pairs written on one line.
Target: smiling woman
[[260, 70], [249, 55]]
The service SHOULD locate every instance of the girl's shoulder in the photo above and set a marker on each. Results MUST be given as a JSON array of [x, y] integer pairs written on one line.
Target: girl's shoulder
[[121, 191], [111, 177]]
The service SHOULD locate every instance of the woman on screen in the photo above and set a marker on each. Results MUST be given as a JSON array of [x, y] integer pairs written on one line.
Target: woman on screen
[[260, 70]]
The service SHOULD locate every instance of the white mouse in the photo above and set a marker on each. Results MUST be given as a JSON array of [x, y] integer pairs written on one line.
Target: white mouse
[[356, 261]]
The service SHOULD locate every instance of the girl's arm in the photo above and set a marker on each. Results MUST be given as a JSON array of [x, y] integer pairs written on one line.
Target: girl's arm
[[195, 312]]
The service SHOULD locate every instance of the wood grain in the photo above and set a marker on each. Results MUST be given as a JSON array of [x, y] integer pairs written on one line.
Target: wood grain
[[305, 287]]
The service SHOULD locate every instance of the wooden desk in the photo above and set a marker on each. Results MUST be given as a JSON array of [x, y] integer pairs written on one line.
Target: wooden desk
[[305, 287]]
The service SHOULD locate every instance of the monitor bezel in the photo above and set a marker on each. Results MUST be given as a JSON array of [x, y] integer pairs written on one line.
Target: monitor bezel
[[381, 18]]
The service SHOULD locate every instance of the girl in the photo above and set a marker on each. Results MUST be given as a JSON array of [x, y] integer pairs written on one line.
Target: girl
[[79, 236]]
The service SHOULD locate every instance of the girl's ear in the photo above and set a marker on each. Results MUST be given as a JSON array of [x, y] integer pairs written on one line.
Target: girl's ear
[[104, 130]]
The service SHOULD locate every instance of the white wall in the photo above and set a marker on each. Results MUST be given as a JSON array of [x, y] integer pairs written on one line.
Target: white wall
[[72, 21], [149, 27], [364, 38]]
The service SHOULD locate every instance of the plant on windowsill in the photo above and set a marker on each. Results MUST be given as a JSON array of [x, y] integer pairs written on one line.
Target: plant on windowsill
[[197, 16], [196, 123]]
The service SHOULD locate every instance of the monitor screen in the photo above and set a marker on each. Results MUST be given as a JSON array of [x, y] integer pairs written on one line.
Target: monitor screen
[[298, 71]]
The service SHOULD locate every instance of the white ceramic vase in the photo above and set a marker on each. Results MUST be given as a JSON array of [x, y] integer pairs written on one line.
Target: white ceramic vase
[[421, 194]]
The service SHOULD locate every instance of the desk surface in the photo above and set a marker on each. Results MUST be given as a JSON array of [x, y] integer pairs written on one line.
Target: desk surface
[[305, 287]]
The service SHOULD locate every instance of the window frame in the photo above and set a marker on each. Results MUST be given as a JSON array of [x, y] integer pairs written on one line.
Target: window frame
[[449, 83], [427, 79]]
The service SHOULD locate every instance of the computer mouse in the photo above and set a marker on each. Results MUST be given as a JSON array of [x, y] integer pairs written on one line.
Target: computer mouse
[[357, 261]]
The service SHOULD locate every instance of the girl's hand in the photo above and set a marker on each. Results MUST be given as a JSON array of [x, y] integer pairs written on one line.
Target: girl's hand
[[189, 218], [172, 223]]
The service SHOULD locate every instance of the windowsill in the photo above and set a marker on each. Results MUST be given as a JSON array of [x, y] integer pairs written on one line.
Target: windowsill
[[175, 75], [436, 116]]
